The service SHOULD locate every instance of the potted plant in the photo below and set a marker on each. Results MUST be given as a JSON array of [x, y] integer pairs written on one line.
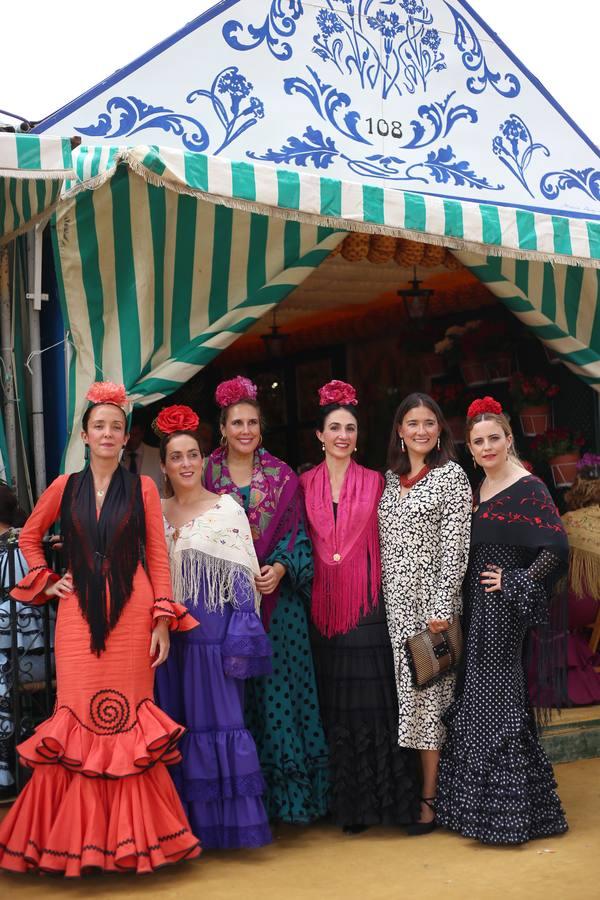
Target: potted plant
[[561, 449], [531, 395]]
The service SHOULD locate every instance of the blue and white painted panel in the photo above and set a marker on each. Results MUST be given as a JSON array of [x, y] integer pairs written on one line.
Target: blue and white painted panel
[[413, 94]]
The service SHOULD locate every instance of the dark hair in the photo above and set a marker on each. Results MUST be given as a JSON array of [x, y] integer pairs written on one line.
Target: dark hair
[[250, 402], [10, 511], [398, 460], [86, 416], [333, 407], [164, 443]]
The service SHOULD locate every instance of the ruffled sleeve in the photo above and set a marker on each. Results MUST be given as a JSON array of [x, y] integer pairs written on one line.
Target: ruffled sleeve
[[46, 511], [157, 562], [246, 649], [526, 589]]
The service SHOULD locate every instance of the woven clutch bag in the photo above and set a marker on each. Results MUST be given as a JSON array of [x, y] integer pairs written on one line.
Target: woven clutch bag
[[430, 656]]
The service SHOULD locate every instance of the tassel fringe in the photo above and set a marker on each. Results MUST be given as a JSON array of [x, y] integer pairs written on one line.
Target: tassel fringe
[[194, 570], [584, 573]]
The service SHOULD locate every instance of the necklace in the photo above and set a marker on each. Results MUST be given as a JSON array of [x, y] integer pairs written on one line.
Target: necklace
[[100, 493], [407, 482]]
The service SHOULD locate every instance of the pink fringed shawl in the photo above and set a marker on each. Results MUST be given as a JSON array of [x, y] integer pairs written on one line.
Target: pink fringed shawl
[[347, 563]]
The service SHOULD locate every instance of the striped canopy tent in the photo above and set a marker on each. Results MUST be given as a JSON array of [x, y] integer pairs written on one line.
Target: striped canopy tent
[[165, 257], [32, 171]]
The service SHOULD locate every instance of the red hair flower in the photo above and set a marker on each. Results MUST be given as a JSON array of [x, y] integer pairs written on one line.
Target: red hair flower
[[175, 418], [484, 405], [107, 392], [337, 392], [236, 390]]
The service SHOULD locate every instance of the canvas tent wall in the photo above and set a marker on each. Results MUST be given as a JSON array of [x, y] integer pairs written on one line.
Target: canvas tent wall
[[404, 117]]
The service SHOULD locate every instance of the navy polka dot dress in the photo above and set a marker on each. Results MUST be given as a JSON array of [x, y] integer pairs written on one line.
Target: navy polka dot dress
[[495, 781]]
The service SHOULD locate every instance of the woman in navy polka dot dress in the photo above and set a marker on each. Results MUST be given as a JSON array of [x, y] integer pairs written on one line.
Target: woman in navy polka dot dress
[[495, 782]]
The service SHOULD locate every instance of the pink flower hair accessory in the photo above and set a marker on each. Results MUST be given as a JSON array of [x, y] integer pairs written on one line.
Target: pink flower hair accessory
[[175, 418], [236, 390], [484, 405], [337, 392], [107, 392]]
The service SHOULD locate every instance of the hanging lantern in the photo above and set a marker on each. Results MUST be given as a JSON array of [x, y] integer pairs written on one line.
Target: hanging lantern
[[416, 298]]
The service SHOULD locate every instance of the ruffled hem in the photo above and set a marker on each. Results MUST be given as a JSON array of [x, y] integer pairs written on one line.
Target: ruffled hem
[[66, 824], [374, 782], [234, 837], [31, 588], [243, 667], [218, 765], [180, 618], [297, 795], [505, 796], [64, 741]]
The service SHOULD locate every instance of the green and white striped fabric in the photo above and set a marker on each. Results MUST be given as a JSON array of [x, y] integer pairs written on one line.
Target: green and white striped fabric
[[478, 227], [560, 304], [154, 284], [32, 172]]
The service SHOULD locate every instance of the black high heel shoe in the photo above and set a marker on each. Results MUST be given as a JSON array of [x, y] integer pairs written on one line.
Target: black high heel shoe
[[418, 828]]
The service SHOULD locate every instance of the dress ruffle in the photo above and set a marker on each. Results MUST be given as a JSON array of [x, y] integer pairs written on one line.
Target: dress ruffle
[[67, 824], [31, 588], [506, 795], [64, 740], [246, 649], [180, 619]]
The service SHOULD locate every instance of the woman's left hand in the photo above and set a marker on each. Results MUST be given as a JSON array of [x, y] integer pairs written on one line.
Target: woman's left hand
[[269, 578], [160, 643], [438, 625], [492, 578]]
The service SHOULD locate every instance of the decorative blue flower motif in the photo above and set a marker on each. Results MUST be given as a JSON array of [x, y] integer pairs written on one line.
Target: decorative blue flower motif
[[256, 107], [389, 25], [473, 59], [586, 180], [516, 156], [233, 83], [329, 23], [280, 22], [411, 7], [431, 39]]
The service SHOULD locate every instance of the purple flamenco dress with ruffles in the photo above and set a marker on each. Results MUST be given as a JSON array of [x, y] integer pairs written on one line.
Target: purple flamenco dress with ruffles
[[219, 779]]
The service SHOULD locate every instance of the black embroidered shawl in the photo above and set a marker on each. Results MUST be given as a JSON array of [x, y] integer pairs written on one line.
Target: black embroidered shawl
[[103, 552]]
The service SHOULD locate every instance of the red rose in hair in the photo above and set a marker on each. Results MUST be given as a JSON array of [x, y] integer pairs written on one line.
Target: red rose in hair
[[236, 390], [484, 405], [176, 418], [337, 392]]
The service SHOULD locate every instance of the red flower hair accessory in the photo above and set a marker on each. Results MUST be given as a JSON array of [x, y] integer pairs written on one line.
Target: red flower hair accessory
[[107, 392], [236, 390], [337, 392], [485, 405], [175, 418]]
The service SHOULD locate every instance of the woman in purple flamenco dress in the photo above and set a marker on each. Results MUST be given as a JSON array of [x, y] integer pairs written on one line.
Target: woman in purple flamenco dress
[[213, 565]]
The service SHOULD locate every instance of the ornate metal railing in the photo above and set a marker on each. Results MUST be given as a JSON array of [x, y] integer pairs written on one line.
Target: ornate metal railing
[[27, 685]]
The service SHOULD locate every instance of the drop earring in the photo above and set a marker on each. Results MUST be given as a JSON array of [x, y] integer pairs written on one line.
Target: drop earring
[[474, 463], [86, 453], [323, 447], [439, 443], [402, 445]]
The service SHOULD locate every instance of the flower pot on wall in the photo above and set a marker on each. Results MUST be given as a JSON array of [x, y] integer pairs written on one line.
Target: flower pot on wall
[[535, 420], [456, 424], [564, 469], [433, 365], [499, 367], [473, 372]]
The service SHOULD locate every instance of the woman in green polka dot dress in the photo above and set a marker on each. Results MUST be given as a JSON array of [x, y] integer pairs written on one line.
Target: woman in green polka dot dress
[[282, 709]]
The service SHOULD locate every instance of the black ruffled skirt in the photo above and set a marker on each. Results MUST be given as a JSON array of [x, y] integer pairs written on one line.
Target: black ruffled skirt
[[373, 781]]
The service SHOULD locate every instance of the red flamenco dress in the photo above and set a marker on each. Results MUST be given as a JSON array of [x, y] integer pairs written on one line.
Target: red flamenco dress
[[100, 796]]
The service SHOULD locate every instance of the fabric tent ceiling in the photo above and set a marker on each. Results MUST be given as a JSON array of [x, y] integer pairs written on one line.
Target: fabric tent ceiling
[[169, 278]]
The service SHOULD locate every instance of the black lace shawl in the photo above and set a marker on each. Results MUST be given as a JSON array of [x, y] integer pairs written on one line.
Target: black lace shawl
[[103, 552]]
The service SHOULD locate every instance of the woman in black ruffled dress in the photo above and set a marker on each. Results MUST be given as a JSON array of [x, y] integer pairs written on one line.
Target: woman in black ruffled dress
[[495, 781]]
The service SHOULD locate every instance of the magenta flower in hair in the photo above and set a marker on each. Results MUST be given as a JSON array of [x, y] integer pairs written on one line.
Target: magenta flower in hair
[[236, 390], [337, 392]]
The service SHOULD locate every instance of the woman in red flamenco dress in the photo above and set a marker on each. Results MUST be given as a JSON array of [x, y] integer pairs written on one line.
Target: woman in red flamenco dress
[[100, 796]]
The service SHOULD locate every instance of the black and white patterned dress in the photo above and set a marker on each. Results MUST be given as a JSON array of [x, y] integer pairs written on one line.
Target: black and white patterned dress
[[424, 540]]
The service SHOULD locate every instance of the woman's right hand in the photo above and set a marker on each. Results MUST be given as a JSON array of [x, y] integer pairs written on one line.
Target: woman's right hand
[[60, 588]]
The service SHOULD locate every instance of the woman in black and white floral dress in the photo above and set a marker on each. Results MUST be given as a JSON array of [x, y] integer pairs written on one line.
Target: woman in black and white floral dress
[[424, 519]]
